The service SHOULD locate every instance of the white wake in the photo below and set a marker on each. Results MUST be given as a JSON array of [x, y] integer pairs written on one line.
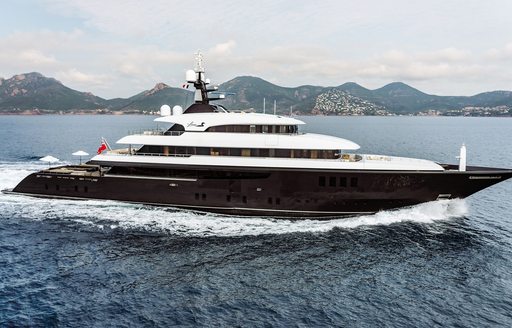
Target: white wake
[[117, 215]]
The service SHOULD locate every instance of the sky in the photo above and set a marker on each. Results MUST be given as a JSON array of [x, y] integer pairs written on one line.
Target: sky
[[120, 48]]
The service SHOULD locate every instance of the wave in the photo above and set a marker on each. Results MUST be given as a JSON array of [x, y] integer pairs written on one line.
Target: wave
[[111, 215]]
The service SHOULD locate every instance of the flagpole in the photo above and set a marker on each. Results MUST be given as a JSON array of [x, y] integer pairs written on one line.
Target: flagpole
[[106, 143]]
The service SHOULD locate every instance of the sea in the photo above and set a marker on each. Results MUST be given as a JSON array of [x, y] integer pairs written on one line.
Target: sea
[[94, 263]]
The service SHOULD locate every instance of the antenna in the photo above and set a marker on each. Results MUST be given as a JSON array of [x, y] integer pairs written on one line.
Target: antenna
[[199, 62], [201, 93], [263, 105], [274, 107]]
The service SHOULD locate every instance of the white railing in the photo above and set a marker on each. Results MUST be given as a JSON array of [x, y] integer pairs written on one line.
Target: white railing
[[155, 132]]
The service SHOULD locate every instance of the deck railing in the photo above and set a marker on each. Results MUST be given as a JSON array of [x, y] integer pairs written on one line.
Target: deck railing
[[164, 155], [343, 158], [155, 132]]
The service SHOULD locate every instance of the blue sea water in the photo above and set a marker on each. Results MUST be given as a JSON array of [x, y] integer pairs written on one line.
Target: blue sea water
[[103, 263]]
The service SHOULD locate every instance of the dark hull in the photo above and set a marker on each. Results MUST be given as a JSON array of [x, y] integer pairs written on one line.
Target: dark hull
[[264, 192]]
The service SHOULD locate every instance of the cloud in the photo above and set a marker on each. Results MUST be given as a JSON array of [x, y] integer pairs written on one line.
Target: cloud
[[41, 39], [450, 54], [128, 18], [36, 58], [74, 76], [222, 49], [444, 63], [121, 68], [505, 53], [118, 48], [36, 51]]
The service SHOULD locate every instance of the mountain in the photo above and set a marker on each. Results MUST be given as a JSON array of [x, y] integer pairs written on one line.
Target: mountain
[[248, 92], [153, 99], [33, 91], [494, 98]]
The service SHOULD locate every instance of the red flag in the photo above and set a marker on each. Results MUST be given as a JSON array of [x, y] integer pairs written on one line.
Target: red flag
[[102, 147]]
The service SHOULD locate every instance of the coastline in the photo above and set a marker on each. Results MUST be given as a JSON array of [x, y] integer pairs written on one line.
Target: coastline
[[155, 113]]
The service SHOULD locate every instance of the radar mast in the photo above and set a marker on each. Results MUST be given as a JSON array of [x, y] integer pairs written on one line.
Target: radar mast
[[197, 78]]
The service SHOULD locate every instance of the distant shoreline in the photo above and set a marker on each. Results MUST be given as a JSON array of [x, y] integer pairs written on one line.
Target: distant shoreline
[[26, 113]]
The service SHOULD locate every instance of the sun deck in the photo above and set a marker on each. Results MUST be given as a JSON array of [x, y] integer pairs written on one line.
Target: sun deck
[[86, 170]]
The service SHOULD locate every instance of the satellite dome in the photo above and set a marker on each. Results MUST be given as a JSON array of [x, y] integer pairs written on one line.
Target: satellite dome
[[165, 110], [190, 76], [177, 110]]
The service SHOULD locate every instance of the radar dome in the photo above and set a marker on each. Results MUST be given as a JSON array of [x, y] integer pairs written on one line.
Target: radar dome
[[190, 76], [165, 110], [177, 110]]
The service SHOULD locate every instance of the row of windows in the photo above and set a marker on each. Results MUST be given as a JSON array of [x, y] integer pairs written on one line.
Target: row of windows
[[191, 174], [270, 200], [57, 187], [284, 129], [247, 152], [337, 182]]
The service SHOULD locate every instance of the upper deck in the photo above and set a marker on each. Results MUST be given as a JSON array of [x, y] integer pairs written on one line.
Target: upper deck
[[201, 122]]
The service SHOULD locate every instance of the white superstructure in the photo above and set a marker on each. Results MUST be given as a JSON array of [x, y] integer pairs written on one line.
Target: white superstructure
[[194, 136], [208, 135], [202, 121]]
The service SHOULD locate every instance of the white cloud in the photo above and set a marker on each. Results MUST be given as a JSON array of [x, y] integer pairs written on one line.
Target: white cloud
[[450, 54], [505, 53], [131, 45], [74, 76], [222, 49], [35, 58]]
